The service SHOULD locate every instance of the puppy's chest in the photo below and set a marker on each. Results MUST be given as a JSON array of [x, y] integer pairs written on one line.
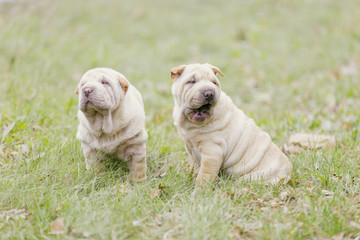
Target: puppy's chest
[[110, 144], [193, 150]]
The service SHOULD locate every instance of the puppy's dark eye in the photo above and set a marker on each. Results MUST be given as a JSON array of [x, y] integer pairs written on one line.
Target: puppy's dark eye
[[214, 82], [191, 81], [104, 82]]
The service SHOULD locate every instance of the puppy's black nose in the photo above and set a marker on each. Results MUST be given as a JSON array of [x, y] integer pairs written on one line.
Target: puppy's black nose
[[87, 91], [209, 94]]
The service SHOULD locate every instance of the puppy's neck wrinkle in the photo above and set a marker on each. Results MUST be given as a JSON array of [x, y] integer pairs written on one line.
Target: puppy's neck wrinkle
[[104, 122], [107, 125], [93, 123]]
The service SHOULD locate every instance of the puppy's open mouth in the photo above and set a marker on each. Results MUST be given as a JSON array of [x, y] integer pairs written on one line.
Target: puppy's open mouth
[[200, 114]]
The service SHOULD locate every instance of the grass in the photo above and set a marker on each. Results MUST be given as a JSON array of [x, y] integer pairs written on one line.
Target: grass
[[291, 65]]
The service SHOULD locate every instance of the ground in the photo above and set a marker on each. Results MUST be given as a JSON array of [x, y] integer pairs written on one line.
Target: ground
[[293, 66]]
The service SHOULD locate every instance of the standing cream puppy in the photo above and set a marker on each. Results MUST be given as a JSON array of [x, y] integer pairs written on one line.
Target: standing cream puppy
[[112, 121], [217, 134]]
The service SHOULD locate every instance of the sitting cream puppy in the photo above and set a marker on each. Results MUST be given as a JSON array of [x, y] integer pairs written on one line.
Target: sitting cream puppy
[[217, 134], [112, 121]]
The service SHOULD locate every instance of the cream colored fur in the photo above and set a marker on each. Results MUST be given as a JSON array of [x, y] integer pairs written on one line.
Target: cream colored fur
[[227, 139], [112, 121]]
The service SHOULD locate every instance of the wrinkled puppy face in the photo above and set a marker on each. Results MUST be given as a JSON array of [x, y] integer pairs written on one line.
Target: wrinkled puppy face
[[196, 89], [101, 90]]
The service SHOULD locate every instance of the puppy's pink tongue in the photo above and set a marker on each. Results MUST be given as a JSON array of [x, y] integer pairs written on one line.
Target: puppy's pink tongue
[[199, 115]]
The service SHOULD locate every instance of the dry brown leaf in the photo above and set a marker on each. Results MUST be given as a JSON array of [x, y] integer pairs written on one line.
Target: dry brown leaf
[[57, 227], [309, 141]]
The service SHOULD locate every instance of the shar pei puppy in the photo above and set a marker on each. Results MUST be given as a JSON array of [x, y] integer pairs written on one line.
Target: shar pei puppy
[[218, 135], [111, 121]]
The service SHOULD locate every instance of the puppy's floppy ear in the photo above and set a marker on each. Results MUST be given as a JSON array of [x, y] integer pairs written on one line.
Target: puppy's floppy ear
[[124, 83], [215, 70], [177, 71]]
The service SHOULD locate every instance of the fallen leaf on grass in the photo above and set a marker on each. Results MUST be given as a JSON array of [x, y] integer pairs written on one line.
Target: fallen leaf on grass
[[57, 227], [300, 141]]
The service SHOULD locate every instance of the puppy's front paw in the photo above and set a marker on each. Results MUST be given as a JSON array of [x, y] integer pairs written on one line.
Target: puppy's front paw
[[202, 179]]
